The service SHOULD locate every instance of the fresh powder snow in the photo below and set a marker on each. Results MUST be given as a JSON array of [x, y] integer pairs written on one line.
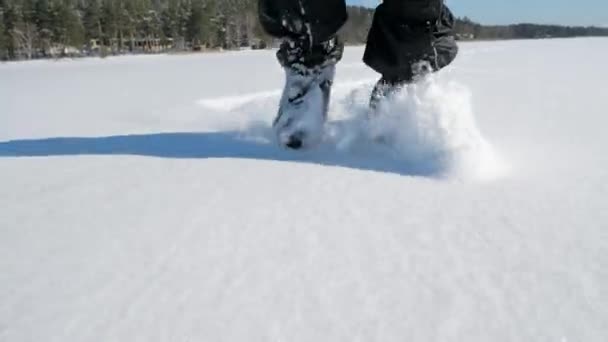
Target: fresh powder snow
[[144, 198]]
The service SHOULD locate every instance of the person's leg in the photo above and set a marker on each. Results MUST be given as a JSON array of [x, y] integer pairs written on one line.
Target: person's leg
[[309, 52], [405, 33], [308, 27], [313, 21]]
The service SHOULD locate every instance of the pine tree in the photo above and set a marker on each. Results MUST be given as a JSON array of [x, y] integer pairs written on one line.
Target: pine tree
[[169, 21], [66, 25], [42, 17], [91, 20], [149, 22], [125, 24], [195, 33], [3, 37], [12, 23], [183, 18], [109, 23]]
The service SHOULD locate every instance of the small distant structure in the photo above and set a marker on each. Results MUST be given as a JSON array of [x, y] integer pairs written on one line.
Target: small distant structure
[[133, 45], [465, 36], [59, 51], [150, 45], [258, 44]]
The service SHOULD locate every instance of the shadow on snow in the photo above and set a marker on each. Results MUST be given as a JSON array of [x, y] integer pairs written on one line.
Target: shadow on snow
[[208, 146]]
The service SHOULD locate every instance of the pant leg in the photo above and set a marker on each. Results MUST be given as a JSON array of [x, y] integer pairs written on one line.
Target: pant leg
[[406, 32], [315, 21]]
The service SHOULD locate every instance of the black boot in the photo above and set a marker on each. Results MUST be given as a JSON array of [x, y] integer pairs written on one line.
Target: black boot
[[384, 89], [387, 86], [304, 104], [407, 40]]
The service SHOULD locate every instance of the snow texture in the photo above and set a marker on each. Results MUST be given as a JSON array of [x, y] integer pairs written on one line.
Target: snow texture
[[145, 199]]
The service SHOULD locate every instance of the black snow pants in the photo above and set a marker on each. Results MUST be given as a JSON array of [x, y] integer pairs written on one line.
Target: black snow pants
[[403, 32]]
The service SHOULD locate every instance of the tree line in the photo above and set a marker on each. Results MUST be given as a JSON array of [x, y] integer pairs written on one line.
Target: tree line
[[54, 28], [355, 30], [43, 28], [465, 27]]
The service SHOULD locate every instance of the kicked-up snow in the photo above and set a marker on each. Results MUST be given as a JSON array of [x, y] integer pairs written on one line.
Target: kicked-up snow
[[144, 199], [428, 127]]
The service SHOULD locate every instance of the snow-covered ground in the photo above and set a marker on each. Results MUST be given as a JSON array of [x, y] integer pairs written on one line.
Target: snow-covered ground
[[143, 199]]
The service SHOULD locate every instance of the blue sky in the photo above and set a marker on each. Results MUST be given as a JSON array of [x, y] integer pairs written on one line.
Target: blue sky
[[565, 12]]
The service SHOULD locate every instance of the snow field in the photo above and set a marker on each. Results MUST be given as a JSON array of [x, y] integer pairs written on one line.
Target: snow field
[[143, 199]]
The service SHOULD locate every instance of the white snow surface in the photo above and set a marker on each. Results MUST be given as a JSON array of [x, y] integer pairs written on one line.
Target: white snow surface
[[144, 199]]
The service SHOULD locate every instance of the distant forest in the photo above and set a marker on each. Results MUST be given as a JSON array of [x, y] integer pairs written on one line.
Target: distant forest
[[69, 28]]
